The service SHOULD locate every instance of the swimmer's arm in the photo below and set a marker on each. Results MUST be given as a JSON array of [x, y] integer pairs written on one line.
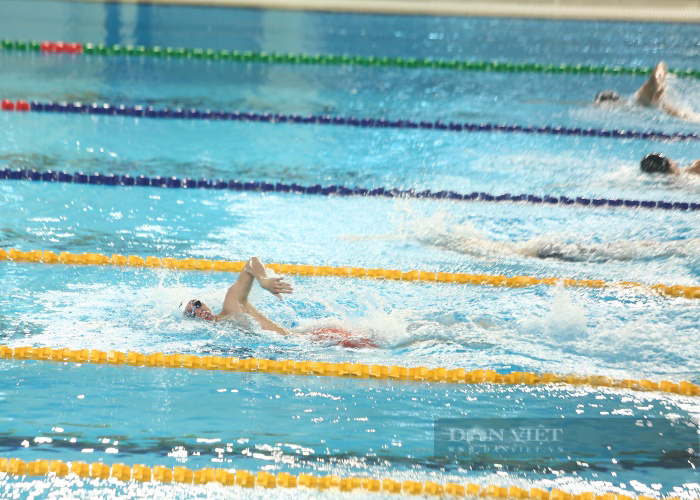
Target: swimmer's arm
[[276, 286], [679, 113], [236, 299], [650, 93], [265, 322], [673, 111], [237, 295], [694, 168]]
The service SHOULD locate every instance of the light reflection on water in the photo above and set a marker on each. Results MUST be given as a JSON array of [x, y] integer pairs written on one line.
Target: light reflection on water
[[298, 424], [309, 424]]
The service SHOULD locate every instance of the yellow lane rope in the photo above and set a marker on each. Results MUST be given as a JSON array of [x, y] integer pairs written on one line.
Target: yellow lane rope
[[327, 369], [262, 479], [96, 259]]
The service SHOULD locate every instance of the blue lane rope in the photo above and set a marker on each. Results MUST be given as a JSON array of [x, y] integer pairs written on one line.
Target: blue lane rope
[[280, 187], [195, 114]]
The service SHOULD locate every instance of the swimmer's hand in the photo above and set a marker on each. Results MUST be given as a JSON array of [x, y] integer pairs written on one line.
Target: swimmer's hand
[[276, 286]]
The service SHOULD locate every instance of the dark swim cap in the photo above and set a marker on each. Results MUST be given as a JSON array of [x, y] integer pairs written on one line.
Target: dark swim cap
[[655, 163], [607, 96]]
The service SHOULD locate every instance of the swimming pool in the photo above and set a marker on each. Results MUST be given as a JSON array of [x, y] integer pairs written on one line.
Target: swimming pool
[[319, 425]]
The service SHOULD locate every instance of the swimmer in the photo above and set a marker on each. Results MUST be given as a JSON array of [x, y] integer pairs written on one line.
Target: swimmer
[[657, 163], [236, 303], [651, 94], [553, 247], [236, 299]]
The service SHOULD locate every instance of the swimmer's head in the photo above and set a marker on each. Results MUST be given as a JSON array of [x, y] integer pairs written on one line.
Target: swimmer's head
[[656, 163], [606, 96], [195, 308]]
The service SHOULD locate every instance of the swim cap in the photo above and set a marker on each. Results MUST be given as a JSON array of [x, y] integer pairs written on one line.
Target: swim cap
[[607, 96], [655, 163]]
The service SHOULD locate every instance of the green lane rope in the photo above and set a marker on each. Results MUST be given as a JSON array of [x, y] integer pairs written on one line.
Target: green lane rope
[[324, 59]]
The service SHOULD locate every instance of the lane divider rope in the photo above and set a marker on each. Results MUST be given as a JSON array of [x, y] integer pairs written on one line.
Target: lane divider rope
[[263, 479], [333, 189], [347, 370], [196, 114], [190, 264], [58, 47]]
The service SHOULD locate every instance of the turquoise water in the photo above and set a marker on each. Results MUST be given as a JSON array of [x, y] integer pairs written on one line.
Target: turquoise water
[[308, 424]]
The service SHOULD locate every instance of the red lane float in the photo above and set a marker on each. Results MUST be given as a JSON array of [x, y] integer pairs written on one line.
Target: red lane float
[[61, 47], [8, 105]]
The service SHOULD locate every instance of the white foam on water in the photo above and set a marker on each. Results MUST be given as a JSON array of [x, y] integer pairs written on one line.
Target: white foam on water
[[629, 175], [684, 95], [563, 322], [646, 344], [119, 316]]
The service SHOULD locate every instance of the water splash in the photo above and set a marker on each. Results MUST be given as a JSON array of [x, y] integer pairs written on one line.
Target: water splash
[[564, 322]]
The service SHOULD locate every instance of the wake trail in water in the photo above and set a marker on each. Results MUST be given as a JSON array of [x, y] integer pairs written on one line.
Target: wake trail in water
[[438, 231], [551, 247]]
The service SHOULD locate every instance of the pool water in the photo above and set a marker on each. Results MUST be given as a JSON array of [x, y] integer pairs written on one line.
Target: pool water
[[324, 425]]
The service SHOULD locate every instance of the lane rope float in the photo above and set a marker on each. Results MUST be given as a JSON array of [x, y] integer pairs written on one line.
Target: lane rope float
[[196, 114], [347, 370], [332, 190], [263, 479], [190, 264], [76, 48]]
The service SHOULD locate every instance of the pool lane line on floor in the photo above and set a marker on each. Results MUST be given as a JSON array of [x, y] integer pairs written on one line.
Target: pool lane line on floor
[[263, 479], [97, 259], [76, 48], [332, 190], [343, 121], [328, 369]]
